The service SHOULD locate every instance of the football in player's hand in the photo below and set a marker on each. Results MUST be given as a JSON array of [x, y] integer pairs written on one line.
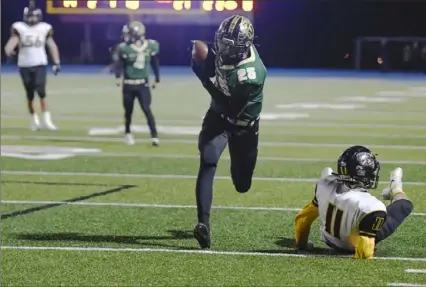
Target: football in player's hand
[[200, 51]]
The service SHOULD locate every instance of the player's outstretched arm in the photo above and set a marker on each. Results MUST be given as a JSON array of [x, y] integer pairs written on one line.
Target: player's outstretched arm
[[12, 43], [364, 241], [303, 222]]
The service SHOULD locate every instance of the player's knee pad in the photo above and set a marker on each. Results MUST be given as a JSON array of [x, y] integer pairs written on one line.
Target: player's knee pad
[[242, 183], [241, 175], [208, 158], [147, 110], [242, 186], [128, 111], [30, 92], [41, 91], [406, 206]]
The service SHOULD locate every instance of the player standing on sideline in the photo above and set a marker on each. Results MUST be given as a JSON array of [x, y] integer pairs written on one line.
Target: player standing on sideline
[[132, 58], [233, 116], [33, 35], [353, 220]]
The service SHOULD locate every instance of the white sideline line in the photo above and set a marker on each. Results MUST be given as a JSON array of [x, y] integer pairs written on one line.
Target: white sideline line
[[264, 123], [202, 252], [166, 206], [170, 176], [406, 285], [423, 271], [262, 143]]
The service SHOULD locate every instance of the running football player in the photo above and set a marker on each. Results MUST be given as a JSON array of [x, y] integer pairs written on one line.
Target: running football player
[[132, 60], [353, 220], [32, 35], [233, 116]]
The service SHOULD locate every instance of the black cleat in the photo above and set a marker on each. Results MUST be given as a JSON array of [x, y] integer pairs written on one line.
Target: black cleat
[[202, 234]]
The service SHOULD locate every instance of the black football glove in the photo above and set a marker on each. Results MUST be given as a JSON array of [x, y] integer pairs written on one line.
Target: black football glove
[[154, 85]]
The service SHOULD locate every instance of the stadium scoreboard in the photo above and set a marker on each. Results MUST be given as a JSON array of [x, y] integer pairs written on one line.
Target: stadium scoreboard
[[153, 7]]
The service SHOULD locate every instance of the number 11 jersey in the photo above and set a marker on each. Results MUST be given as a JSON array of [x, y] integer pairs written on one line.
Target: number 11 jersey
[[341, 211]]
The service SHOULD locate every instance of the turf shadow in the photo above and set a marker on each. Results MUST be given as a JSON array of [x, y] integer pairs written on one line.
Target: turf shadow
[[290, 244], [75, 199], [53, 183], [140, 240]]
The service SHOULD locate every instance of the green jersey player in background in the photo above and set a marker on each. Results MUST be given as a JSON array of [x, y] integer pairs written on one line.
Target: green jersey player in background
[[233, 116], [132, 60]]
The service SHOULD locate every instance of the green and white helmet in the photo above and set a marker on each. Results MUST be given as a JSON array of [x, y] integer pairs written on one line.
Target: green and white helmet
[[234, 38]]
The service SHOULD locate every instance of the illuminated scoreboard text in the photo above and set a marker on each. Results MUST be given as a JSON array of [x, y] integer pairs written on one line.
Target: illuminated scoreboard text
[[146, 7]]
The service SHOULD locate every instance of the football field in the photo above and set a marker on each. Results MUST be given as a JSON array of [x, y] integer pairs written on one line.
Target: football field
[[81, 208]]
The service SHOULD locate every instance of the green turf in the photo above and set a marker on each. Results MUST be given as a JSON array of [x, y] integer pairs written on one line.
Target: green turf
[[125, 215]]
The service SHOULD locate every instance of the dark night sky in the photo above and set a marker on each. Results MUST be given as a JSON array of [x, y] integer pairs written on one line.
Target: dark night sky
[[290, 33]]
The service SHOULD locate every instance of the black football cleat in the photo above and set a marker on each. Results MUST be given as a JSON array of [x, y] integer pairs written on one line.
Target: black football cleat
[[202, 234]]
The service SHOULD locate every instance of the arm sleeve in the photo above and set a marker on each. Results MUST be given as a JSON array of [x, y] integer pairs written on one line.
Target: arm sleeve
[[117, 61], [49, 33], [155, 59], [14, 32], [155, 47], [216, 94], [210, 64], [364, 242], [155, 64], [240, 98]]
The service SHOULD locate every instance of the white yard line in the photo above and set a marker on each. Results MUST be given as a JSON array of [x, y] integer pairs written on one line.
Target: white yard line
[[270, 132], [181, 141], [165, 206], [274, 132], [260, 158], [421, 271], [406, 285], [201, 252], [169, 176], [116, 119]]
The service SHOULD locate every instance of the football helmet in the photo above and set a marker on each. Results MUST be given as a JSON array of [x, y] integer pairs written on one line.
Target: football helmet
[[233, 39], [134, 32], [358, 167], [32, 16]]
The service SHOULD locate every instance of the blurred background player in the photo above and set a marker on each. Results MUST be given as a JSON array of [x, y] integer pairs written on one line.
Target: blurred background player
[[32, 35], [132, 59], [353, 220], [233, 116]]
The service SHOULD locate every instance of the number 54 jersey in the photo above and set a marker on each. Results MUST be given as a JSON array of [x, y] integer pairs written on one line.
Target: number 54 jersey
[[346, 213]]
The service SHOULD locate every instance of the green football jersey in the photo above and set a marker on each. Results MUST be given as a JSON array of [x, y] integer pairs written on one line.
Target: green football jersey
[[250, 71], [136, 59]]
